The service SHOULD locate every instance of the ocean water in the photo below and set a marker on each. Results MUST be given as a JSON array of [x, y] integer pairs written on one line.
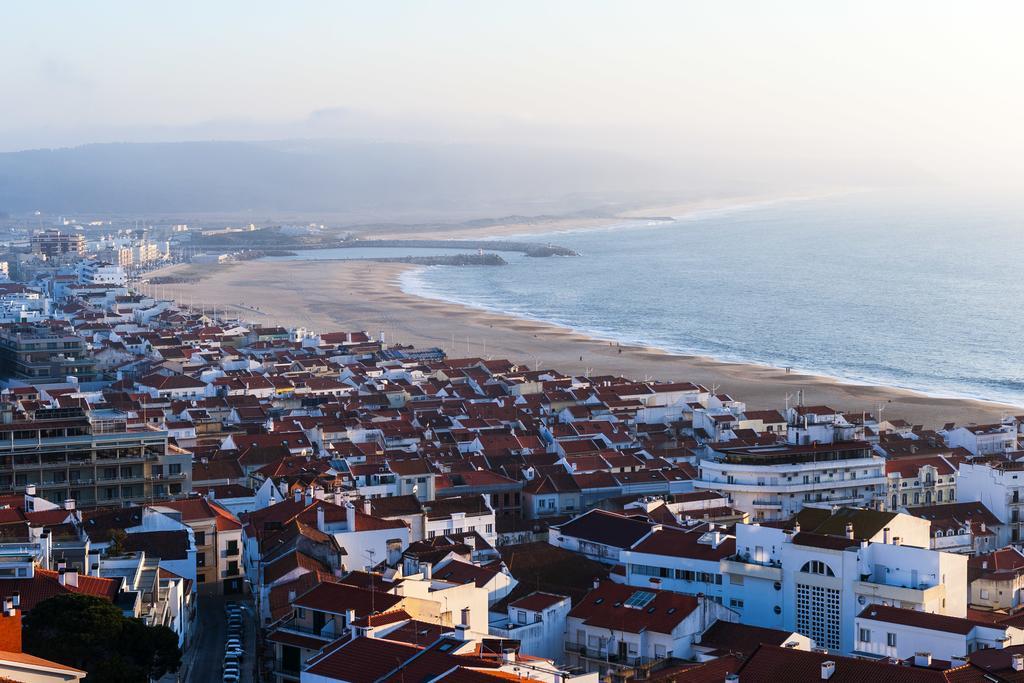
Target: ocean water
[[904, 291]]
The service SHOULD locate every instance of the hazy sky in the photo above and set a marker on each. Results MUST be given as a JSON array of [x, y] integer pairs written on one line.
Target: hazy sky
[[932, 85]]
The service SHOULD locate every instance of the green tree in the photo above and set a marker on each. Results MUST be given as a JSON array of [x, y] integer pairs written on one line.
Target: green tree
[[91, 634]]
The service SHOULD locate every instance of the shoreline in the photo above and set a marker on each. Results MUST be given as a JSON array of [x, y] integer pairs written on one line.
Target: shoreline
[[350, 295], [410, 289], [556, 225]]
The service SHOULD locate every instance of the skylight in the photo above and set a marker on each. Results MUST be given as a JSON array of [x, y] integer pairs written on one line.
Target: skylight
[[639, 599]]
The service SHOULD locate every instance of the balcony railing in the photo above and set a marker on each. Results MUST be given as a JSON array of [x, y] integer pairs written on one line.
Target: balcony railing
[[326, 631], [612, 658]]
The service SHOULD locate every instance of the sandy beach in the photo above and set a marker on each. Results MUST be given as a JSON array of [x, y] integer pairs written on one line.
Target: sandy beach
[[357, 295], [554, 224]]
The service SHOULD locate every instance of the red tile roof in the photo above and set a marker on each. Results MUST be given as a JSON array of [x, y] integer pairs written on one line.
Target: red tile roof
[[538, 601], [773, 663], [605, 607], [45, 584]]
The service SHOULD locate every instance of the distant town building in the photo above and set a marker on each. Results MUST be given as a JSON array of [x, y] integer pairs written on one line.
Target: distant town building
[[58, 245]]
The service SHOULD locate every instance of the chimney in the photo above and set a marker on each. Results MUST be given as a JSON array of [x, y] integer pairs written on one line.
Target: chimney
[[1017, 662], [896, 540], [69, 504], [320, 525], [984, 564], [796, 527], [849, 530], [922, 659], [10, 627], [464, 617], [716, 538], [732, 678], [309, 496], [827, 669], [885, 535], [61, 574], [597, 582], [30, 490], [957, 661], [350, 516], [298, 495], [71, 578], [427, 570], [508, 655], [367, 507], [47, 544]]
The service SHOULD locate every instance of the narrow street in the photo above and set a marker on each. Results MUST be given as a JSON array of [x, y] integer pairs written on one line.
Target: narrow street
[[205, 660]]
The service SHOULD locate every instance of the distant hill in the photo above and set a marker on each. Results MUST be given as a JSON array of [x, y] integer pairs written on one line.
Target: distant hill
[[302, 176]]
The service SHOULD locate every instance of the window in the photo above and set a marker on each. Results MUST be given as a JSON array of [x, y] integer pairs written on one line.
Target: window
[[817, 567], [733, 602], [432, 533], [200, 559], [200, 538], [865, 635], [174, 469], [232, 548], [200, 578], [984, 594], [890, 639], [520, 616], [489, 529]]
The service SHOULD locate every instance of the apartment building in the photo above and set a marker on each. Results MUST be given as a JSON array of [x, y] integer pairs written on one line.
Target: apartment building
[[816, 584], [625, 631], [988, 439], [904, 633], [220, 569], [56, 245], [44, 354], [924, 480], [774, 482], [998, 484], [94, 458]]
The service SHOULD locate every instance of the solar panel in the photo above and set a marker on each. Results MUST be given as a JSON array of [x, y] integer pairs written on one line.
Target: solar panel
[[639, 599]]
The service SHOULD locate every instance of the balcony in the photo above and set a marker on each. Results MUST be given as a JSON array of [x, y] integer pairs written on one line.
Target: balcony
[[775, 504], [291, 624], [919, 596], [766, 489], [612, 659], [755, 570]]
